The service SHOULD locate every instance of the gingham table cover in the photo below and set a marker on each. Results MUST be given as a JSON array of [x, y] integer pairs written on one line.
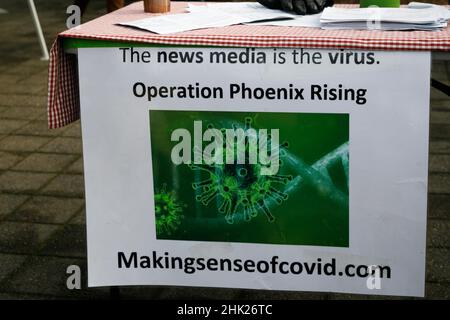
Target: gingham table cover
[[63, 97]]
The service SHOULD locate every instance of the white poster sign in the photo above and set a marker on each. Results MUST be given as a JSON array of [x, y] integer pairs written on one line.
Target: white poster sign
[[278, 169]]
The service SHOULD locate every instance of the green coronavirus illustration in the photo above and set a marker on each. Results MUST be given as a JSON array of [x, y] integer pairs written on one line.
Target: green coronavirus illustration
[[168, 212], [241, 188]]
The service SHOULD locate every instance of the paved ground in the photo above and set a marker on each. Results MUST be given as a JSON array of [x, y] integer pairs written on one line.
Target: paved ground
[[42, 218]]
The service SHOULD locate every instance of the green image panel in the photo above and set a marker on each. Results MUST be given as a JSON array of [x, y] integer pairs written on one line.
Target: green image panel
[[254, 177]]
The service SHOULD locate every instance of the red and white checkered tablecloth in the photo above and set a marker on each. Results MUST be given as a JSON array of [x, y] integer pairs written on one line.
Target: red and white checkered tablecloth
[[63, 96]]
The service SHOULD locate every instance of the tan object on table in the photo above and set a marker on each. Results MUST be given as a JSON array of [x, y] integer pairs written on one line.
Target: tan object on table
[[157, 6]]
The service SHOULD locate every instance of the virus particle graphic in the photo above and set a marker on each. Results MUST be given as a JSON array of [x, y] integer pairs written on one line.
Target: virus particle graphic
[[168, 212], [239, 189]]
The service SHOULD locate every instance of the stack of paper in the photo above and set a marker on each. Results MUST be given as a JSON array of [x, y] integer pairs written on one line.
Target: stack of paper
[[209, 16], [249, 11], [416, 16], [260, 15]]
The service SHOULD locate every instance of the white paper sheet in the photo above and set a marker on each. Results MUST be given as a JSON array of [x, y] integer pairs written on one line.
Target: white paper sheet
[[251, 11], [398, 15], [217, 15], [444, 11], [184, 22], [384, 26], [417, 16]]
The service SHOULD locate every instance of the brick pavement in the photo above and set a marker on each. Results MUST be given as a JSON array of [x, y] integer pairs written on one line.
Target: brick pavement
[[42, 217]]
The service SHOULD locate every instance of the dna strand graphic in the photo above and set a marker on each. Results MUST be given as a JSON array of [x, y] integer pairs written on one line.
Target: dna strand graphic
[[317, 175]]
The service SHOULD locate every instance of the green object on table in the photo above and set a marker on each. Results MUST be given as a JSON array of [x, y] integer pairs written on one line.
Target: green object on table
[[75, 43], [380, 3]]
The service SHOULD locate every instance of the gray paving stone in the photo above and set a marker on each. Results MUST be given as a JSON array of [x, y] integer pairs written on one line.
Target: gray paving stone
[[439, 163], [39, 128], [41, 89], [43, 209], [66, 185], [9, 263], [438, 265], [279, 295], [439, 183], [21, 296], [42, 116], [346, 296], [440, 147], [443, 105], [47, 275], [141, 292], [435, 94], [17, 100], [79, 218], [438, 233], [27, 68], [439, 72], [174, 292], [24, 113], [63, 145], [7, 125], [23, 143], [23, 181], [76, 167], [10, 85], [28, 238], [45, 162], [40, 68], [35, 79], [68, 242], [440, 117], [73, 130], [440, 131], [9, 202], [8, 159], [439, 206], [440, 291]]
